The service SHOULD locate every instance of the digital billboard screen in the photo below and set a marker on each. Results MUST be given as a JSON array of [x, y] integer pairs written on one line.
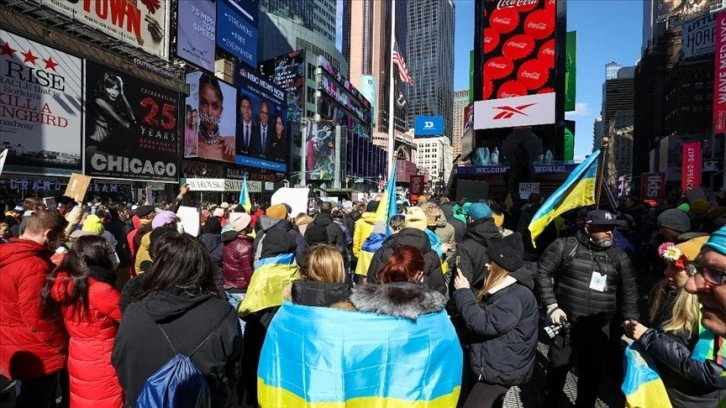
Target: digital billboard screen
[[428, 126], [196, 32], [236, 33], [288, 72]]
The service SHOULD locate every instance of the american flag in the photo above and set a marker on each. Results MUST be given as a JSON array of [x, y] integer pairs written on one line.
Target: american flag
[[399, 61]]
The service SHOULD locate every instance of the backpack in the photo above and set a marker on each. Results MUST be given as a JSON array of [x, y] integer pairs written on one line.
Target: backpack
[[570, 250], [179, 383]]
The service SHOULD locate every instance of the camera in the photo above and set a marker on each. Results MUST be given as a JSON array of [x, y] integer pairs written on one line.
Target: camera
[[555, 329]]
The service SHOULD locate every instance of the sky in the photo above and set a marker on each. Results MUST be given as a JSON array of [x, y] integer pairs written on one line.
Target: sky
[[607, 30]]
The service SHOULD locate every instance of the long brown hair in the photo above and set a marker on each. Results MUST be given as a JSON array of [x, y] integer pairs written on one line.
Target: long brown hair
[[494, 277], [404, 265], [323, 263]]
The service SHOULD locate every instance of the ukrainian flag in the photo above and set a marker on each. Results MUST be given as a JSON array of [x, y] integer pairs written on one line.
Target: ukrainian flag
[[386, 210], [317, 357], [577, 191], [244, 196], [642, 385], [268, 280]]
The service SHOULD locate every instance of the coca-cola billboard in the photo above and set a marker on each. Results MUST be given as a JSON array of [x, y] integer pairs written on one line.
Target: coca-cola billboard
[[517, 56]]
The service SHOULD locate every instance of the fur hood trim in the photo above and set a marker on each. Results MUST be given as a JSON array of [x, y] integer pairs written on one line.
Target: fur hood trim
[[409, 300]]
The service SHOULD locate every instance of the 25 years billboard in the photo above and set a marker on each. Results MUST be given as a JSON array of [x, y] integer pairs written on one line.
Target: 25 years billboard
[[130, 128], [40, 107], [517, 63]]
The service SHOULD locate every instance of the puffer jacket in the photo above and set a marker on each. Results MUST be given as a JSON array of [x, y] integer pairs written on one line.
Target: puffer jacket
[[433, 275], [30, 346], [93, 380], [566, 281], [237, 260], [311, 293], [362, 229], [504, 332], [471, 252], [267, 223], [335, 233]]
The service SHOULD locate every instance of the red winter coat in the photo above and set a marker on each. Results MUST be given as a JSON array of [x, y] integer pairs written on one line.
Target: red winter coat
[[237, 260], [30, 346], [93, 380]]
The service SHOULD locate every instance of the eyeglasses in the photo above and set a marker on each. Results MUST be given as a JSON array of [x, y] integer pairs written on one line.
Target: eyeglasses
[[711, 275]]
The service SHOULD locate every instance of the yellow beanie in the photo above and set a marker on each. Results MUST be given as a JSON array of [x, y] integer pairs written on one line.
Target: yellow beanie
[[278, 211], [415, 218], [93, 224]]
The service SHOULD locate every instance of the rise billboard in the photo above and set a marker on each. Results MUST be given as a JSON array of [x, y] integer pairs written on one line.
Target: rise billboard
[[130, 128], [517, 64]]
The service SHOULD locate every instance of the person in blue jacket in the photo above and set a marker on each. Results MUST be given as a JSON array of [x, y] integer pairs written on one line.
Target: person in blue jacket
[[502, 321]]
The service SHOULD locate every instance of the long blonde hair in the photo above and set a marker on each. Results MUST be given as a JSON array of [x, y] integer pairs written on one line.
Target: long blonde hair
[[323, 263], [495, 276], [684, 316]]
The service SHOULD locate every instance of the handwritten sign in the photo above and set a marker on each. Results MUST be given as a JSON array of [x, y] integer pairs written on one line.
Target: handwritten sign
[[77, 186]]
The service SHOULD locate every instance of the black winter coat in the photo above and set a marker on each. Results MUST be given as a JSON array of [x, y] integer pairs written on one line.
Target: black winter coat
[[433, 275], [311, 293], [689, 383], [471, 252], [566, 282], [213, 243], [267, 223], [141, 349], [505, 333]]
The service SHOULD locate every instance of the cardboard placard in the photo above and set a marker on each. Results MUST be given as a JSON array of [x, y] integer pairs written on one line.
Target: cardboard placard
[[77, 186], [526, 189], [296, 198], [50, 203], [190, 219]]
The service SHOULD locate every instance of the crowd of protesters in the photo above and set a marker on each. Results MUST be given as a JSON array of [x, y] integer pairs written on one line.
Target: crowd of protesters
[[95, 298]]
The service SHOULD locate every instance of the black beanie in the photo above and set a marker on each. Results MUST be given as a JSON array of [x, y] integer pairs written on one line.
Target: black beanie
[[507, 252], [372, 206], [315, 234], [213, 225]]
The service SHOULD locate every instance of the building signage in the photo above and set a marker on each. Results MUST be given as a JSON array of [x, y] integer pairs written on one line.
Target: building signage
[[526, 110], [40, 107], [698, 35], [518, 61], [141, 24], [652, 186], [196, 32], [222, 185], [719, 76], [428, 126], [691, 169], [236, 34], [417, 185]]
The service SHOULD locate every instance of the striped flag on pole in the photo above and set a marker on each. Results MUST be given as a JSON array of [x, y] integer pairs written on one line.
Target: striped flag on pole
[[399, 61]]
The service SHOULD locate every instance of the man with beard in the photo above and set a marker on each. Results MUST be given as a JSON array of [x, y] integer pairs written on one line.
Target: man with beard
[[584, 280]]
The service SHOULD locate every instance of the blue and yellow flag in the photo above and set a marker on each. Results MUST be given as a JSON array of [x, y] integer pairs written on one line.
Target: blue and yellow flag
[[244, 196], [318, 357], [577, 191], [268, 280], [642, 385], [381, 230]]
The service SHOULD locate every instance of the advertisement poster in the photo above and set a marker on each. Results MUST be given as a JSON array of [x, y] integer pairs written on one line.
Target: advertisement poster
[[427, 126], [288, 72], [236, 33], [518, 50], [143, 24], [698, 35], [40, 107], [571, 71], [262, 139], [719, 77], [130, 128], [320, 151], [196, 32], [210, 117], [652, 186], [691, 173]]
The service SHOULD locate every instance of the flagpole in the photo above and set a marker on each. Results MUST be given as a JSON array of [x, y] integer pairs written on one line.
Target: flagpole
[[601, 170], [391, 92]]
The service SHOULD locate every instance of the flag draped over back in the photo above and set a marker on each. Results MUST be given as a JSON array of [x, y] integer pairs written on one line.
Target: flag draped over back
[[577, 191], [265, 289], [317, 357], [244, 196], [381, 230]]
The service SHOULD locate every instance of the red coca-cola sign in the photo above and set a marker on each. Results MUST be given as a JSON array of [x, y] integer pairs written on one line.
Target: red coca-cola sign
[[518, 47]]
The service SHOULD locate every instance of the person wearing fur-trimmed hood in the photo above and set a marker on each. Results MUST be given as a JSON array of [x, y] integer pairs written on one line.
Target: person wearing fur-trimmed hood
[[502, 321]]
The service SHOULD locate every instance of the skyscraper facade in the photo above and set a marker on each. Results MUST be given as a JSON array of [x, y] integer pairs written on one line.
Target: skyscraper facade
[[315, 15], [367, 47], [461, 100], [431, 60]]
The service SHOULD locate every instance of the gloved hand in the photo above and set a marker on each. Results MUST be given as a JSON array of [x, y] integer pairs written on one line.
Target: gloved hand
[[555, 315]]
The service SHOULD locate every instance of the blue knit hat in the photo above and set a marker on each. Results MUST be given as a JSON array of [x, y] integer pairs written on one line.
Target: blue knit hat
[[717, 241], [478, 211]]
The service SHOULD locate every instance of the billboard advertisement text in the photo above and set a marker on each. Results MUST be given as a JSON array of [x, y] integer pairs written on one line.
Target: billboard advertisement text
[[719, 76], [691, 171], [210, 118], [288, 72], [142, 24], [196, 32], [236, 33], [40, 107], [428, 126], [518, 60], [130, 127], [262, 139], [698, 35]]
